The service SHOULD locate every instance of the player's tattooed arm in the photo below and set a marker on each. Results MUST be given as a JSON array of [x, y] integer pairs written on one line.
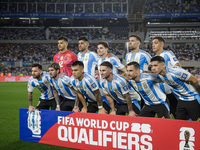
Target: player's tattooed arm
[[30, 97], [129, 104], [195, 82], [55, 93], [76, 108], [98, 97], [82, 99]]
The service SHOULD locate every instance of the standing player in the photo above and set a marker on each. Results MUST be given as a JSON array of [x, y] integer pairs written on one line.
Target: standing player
[[136, 54], [88, 58], [87, 86], [146, 85], [64, 57], [184, 85], [41, 80], [102, 51], [117, 88], [170, 61], [62, 86]]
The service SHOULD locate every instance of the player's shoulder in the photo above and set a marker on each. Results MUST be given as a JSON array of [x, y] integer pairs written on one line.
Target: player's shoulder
[[31, 79], [175, 70], [88, 77], [119, 79], [144, 52], [168, 52], [148, 75], [129, 54]]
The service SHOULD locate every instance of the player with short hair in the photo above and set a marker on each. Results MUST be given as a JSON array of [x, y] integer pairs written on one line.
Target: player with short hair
[[102, 51], [146, 85], [41, 80], [88, 88], [64, 57], [117, 88], [184, 85], [88, 58], [62, 86], [136, 54], [170, 61]]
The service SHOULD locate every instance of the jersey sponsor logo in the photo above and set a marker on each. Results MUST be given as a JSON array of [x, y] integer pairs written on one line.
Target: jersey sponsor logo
[[86, 58], [34, 121], [145, 86], [94, 85], [184, 75], [186, 138]]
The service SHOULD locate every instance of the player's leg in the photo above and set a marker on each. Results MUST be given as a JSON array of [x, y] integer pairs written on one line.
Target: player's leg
[[92, 107], [193, 109], [121, 109], [172, 103], [67, 105], [147, 111], [181, 112], [106, 107], [42, 104], [52, 104], [162, 110]]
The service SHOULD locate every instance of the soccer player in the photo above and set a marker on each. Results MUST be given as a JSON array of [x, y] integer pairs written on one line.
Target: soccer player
[[170, 61], [146, 86], [64, 57], [88, 88], [88, 58], [117, 88], [136, 54], [41, 80], [184, 85], [102, 51], [62, 86], [158, 43]]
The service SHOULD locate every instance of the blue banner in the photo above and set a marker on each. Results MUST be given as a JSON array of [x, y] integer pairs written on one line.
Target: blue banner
[[64, 15], [172, 15]]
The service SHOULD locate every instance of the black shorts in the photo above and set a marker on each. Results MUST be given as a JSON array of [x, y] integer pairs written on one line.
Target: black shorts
[[122, 109], [46, 104], [188, 109], [172, 103], [68, 105], [92, 107], [162, 110]]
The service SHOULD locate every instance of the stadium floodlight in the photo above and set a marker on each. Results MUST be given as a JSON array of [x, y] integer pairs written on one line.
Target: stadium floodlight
[[64, 18], [34, 18], [24, 18]]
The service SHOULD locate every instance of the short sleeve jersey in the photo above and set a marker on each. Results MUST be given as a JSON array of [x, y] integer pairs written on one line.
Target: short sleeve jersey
[[89, 60], [64, 87], [43, 85], [65, 61], [119, 87]]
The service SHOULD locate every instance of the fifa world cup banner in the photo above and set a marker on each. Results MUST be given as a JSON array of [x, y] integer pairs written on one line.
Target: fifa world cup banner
[[102, 131]]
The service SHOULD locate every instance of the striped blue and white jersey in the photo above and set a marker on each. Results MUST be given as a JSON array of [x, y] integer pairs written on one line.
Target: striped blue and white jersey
[[89, 60], [64, 87], [114, 61], [43, 85], [148, 89], [176, 78], [142, 57], [119, 87], [170, 61], [170, 58], [87, 86]]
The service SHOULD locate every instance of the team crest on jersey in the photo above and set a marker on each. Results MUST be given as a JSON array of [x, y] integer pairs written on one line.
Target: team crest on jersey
[[61, 58], [139, 86], [34, 121], [41, 84], [81, 58], [81, 87], [145, 86], [131, 59], [110, 88]]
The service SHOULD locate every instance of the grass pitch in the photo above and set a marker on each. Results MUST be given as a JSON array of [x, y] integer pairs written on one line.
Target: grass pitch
[[14, 95]]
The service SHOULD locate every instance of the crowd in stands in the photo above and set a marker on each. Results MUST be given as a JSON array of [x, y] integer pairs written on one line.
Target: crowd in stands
[[55, 33], [171, 6], [22, 34], [45, 52], [71, 6]]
